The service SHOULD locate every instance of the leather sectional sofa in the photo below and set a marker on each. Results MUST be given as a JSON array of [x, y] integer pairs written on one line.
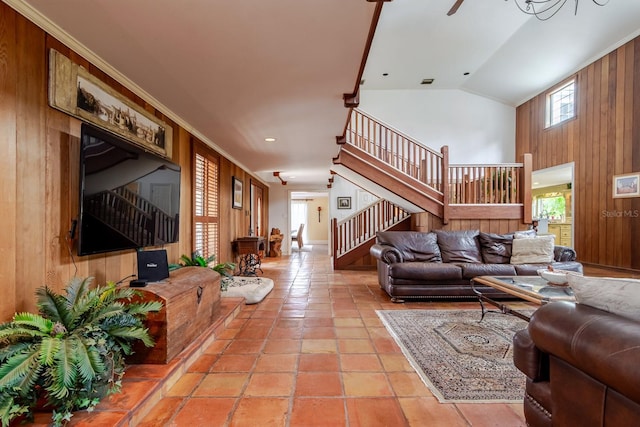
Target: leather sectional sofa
[[441, 263], [581, 365]]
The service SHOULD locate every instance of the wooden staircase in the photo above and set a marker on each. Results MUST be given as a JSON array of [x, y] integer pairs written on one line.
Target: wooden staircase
[[424, 178]]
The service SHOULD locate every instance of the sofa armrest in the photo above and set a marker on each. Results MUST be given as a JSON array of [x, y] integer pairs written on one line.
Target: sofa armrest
[[563, 253], [528, 358], [601, 344], [385, 253]]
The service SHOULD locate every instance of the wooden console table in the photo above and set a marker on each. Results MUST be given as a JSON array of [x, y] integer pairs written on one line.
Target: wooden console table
[[250, 250]]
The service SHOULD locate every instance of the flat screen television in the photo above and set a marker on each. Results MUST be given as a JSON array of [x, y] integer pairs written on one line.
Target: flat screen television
[[129, 197]]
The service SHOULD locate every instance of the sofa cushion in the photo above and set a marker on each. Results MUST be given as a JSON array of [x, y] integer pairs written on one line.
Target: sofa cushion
[[533, 250], [425, 271], [495, 248], [459, 246], [471, 270], [413, 245], [619, 296]]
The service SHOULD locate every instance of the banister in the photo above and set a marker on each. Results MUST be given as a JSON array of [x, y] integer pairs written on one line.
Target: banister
[[456, 184], [357, 229]]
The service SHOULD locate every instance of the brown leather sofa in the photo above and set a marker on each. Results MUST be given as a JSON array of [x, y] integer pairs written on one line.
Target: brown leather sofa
[[441, 263], [582, 367]]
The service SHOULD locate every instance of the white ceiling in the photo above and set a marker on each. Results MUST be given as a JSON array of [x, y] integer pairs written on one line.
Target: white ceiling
[[235, 72]]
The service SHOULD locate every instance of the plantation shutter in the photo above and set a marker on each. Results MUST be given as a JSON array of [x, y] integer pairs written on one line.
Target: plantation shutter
[[206, 211]]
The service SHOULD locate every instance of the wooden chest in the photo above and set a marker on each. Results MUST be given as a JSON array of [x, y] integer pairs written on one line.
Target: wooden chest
[[191, 303]]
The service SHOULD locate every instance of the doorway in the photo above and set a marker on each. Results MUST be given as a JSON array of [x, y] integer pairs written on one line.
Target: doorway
[[552, 204], [312, 210]]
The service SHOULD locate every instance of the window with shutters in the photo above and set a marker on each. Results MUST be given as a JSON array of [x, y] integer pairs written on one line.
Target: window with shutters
[[206, 210]]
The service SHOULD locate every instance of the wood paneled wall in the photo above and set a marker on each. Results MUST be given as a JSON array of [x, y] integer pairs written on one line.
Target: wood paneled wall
[[39, 164], [603, 140], [427, 222]]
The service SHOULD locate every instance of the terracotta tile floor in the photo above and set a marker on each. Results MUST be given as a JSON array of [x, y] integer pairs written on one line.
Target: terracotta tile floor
[[314, 353]]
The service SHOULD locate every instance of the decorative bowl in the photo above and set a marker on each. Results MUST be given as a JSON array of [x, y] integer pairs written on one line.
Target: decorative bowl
[[558, 278]]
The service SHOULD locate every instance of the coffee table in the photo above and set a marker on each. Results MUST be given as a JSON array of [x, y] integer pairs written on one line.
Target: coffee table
[[534, 289]]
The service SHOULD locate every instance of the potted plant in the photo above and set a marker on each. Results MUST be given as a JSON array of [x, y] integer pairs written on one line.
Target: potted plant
[[71, 354], [225, 269]]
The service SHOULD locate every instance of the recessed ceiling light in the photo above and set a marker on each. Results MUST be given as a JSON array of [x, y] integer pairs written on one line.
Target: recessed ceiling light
[[270, 139], [426, 81]]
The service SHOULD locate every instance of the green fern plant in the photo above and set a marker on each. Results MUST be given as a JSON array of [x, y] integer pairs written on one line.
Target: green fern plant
[[72, 352], [225, 269]]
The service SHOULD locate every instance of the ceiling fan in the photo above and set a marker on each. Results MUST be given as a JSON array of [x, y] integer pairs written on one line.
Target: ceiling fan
[[455, 7]]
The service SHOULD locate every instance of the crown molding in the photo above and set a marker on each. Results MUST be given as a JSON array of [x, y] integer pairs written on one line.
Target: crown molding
[[54, 30]]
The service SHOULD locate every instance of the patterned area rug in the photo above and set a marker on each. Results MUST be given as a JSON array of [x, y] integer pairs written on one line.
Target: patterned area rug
[[459, 359]]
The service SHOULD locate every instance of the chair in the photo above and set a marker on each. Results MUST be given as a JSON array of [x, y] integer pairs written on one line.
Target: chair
[[296, 236]]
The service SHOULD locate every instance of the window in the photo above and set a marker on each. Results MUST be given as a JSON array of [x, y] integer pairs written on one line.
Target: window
[[561, 104], [206, 209], [550, 206]]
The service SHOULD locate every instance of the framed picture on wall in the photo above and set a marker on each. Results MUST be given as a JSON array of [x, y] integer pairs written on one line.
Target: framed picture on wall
[[626, 185], [236, 194], [344, 202], [75, 91]]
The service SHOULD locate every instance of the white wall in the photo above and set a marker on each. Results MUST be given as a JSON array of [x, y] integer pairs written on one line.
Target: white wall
[[476, 129]]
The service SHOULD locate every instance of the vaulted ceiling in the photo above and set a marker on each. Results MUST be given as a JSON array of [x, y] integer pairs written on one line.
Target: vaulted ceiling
[[236, 72]]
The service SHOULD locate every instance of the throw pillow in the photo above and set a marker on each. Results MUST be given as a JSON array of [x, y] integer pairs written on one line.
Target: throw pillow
[[495, 248], [459, 246], [619, 296], [524, 234], [534, 250]]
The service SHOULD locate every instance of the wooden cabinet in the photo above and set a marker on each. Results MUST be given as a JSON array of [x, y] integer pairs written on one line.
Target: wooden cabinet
[[562, 233], [191, 303]]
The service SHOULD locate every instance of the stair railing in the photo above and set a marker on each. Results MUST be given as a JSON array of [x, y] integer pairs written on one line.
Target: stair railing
[[362, 226], [133, 216], [165, 225], [392, 147], [490, 184], [120, 214]]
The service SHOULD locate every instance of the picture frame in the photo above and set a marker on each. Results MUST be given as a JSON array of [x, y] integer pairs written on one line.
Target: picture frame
[[236, 193], [626, 185], [344, 202], [75, 91]]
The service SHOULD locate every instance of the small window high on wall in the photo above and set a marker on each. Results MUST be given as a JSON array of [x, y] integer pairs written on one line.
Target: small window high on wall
[[561, 104]]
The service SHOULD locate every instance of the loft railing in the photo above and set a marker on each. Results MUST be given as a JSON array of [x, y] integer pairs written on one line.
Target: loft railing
[[486, 184], [362, 226]]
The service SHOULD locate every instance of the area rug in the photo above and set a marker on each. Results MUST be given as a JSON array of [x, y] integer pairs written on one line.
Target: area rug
[[457, 357], [252, 289]]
